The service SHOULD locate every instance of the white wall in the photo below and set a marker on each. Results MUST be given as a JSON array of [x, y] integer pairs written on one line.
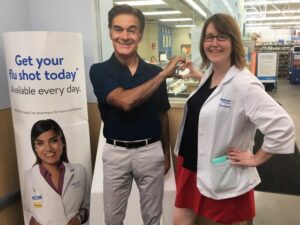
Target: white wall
[[69, 16], [14, 16], [180, 36], [150, 36], [102, 8], [273, 35]]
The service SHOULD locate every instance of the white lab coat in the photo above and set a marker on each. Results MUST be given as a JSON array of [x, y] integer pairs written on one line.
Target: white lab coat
[[229, 118], [48, 207]]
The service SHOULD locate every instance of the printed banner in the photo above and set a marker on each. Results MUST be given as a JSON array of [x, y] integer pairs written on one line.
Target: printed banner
[[47, 81]]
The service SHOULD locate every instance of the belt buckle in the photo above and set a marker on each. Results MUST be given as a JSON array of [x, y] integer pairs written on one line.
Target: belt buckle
[[127, 144]]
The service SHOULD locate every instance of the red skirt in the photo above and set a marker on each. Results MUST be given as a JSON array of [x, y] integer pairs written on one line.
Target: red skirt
[[225, 211]]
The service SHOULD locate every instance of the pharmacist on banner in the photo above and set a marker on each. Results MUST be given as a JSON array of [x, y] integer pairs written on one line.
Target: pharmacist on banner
[[56, 192]]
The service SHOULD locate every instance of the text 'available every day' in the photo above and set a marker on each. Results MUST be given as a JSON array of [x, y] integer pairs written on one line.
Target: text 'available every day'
[[44, 91]]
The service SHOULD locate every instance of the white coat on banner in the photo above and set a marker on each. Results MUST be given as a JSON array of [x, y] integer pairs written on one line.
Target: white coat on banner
[[46, 78], [43, 203]]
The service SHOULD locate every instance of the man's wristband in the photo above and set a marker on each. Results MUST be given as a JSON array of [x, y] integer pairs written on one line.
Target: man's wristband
[[83, 215], [80, 218]]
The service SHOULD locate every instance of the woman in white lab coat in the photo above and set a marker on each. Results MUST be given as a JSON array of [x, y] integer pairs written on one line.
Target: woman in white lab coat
[[56, 192], [216, 168]]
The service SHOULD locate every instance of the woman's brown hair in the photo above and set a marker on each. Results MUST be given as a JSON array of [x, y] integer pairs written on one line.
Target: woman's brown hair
[[225, 24]]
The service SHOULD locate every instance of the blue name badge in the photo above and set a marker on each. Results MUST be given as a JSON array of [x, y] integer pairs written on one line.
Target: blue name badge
[[37, 197], [226, 103], [219, 160], [76, 184]]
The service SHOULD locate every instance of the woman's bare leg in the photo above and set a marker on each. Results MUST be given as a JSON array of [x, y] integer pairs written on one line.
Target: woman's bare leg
[[184, 216]]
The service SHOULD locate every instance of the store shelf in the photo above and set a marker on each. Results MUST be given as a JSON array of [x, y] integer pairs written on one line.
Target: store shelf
[[273, 47], [283, 64]]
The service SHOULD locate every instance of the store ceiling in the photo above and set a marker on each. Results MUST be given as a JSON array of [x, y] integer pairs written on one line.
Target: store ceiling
[[275, 13], [171, 5]]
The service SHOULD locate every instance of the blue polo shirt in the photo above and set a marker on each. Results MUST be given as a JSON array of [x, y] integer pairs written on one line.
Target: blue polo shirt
[[141, 122]]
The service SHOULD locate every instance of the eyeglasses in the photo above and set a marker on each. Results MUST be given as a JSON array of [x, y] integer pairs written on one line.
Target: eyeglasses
[[220, 37]]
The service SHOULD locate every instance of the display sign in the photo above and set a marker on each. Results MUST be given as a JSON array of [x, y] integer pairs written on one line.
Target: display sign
[[267, 66], [46, 79]]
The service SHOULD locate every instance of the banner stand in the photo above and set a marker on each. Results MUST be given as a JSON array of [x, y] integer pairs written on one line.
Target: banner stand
[[46, 79]]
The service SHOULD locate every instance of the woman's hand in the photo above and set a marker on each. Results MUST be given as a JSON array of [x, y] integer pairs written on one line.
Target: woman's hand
[[74, 221], [193, 72], [241, 158], [247, 158]]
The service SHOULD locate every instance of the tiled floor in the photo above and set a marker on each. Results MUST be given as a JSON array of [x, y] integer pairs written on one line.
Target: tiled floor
[[279, 209], [289, 96]]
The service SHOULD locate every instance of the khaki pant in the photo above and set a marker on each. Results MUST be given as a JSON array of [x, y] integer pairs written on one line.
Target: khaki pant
[[120, 166]]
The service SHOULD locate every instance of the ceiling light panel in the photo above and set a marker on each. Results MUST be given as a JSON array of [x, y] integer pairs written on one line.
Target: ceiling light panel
[[273, 2], [175, 19], [185, 25], [272, 23], [272, 12], [157, 13], [229, 8], [197, 8], [273, 18], [256, 27], [141, 3]]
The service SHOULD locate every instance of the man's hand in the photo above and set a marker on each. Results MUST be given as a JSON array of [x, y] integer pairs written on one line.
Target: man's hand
[[167, 163], [74, 221], [170, 69]]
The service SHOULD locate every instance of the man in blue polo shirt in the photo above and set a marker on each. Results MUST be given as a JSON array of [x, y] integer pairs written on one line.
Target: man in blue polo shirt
[[133, 102]]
